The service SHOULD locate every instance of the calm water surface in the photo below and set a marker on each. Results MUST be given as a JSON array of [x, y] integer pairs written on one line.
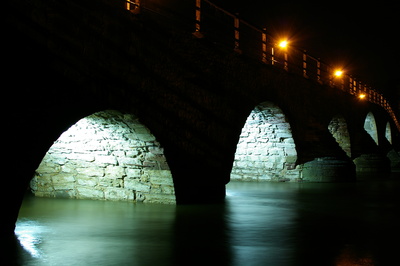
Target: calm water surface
[[260, 224]]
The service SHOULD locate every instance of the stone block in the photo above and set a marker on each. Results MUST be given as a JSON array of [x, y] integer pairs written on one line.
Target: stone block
[[156, 150], [86, 181], [146, 137], [69, 193], [131, 136], [56, 158], [89, 193], [124, 161], [64, 186], [168, 190], [151, 165], [132, 153], [135, 184], [91, 171], [119, 194], [81, 156], [236, 176], [44, 194], [63, 178], [41, 181], [104, 160], [159, 198], [48, 167], [133, 173], [68, 168], [140, 129], [114, 172], [110, 182], [160, 177]]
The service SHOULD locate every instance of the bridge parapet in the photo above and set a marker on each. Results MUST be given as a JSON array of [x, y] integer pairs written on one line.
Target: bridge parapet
[[231, 32]]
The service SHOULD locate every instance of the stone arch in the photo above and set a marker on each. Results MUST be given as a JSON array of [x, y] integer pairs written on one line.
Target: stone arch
[[388, 133], [108, 155], [370, 127], [266, 149], [338, 128]]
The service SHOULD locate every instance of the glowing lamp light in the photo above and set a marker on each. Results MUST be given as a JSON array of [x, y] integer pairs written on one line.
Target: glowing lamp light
[[338, 73], [361, 96], [283, 44]]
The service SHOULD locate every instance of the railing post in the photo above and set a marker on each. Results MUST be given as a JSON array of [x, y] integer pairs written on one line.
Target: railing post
[[237, 34], [197, 32], [319, 70], [264, 46], [133, 6], [355, 86], [351, 84], [272, 56], [285, 62], [330, 76], [305, 64]]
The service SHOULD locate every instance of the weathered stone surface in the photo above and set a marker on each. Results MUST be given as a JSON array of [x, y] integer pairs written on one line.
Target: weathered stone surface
[[119, 194], [133, 173], [86, 181], [48, 167], [265, 147], [106, 160], [63, 178], [114, 172], [136, 184], [159, 198], [105, 157], [372, 163], [160, 177], [89, 193], [328, 169], [91, 171]]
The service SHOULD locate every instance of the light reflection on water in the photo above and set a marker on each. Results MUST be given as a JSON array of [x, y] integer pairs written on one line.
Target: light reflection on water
[[29, 235], [260, 224]]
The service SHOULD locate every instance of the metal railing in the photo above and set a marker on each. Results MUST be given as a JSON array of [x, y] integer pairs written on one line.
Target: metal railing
[[230, 31]]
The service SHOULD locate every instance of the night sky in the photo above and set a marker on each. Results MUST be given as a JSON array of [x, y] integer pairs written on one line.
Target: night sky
[[361, 38]]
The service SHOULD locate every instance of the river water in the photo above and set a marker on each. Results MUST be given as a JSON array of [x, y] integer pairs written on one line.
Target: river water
[[259, 224]]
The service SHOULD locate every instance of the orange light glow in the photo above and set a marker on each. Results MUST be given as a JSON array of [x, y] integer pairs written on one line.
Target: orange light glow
[[338, 73], [283, 44], [361, 96]]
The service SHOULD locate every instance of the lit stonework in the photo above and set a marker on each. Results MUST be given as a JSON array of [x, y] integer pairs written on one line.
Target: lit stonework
[[110, 156], [266, 149]]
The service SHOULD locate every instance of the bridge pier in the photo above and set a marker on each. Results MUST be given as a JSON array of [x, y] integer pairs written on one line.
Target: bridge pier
[[197, 181], [372, 163], [328, 169]]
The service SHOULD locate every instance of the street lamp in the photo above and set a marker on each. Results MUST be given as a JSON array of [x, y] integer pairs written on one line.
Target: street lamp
[[338, 73], [283, 44], [362, 96]]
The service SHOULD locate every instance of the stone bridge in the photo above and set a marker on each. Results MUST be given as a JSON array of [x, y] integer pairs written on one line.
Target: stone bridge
[[114, 100]]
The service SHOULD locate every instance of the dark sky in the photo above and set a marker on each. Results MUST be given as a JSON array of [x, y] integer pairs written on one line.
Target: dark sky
[[363, 38]]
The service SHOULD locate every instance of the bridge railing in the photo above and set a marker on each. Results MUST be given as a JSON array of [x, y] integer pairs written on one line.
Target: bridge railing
[[228, 30]]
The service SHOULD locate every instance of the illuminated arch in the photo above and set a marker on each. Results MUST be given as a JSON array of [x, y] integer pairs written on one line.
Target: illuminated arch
[[338, 129], [266, 149], [370, 127], [108, 155], [388, 133]]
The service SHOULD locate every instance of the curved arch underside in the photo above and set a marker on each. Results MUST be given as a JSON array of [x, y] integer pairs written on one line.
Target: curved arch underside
[[266, 150], [370, 127], [108, 155], [338, 129]]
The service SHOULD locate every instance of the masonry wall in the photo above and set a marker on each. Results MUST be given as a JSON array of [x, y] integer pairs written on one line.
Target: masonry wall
[[338, 129], [266, 149], [108, 156]]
